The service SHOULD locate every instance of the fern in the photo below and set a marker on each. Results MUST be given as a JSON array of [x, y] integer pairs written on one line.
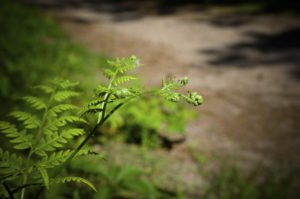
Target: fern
[[29, 121], [11, 164], [73, 179], [35, 102], [42, 134], [63, 95], [54, 159], [54, 111], [20, 139], [122, 80]]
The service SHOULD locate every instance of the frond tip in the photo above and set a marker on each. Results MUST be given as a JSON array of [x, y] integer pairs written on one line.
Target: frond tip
[[73, 179]]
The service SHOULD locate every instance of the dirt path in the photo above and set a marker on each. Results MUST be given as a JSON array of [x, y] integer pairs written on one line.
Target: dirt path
[[247, 69]]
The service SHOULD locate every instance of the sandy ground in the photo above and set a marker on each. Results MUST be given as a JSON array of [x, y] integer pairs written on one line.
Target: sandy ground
[[246, 69]]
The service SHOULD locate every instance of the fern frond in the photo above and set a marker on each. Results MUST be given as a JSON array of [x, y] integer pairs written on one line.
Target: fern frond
[[57, 123], [20, 139], [125, 64], [73, 179], [54, 159], [70, 119], [10, 163], [9, 129], [64, 95], [46, 89], [49, 143], [91, 110], [66, 84], [30, 121], [108, 73], [44, 175], [70, 133], [61, 108], [129, 63], [35, 102], [101, 90], [123, 79], [56, 140]]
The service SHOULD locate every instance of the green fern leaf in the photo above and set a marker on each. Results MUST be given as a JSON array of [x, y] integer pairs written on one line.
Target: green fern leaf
[[44, 175], [70, 133], [63, 95], [55, 140], [30, 122], [67, 84], [57, 123], [92, 110], [122, 80], [35, 102], [61, 108], [101, 90], [73, 179], [108, 73], [70, 119], [8, 129], [46, 89], [49, 143], [10, 163], [54, 159], [129, 63], [20, 139]]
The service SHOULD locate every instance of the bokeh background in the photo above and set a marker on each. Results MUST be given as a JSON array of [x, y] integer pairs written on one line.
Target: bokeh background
[[242, 56]]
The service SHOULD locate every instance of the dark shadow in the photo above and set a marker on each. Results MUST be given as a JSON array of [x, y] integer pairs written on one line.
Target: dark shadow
[[136, 9], [260, 49], [231, 20]]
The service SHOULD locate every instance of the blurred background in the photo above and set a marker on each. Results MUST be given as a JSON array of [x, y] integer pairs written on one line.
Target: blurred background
[[242, 56]]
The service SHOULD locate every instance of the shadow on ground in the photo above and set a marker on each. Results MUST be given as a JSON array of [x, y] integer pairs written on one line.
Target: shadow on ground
[[260, 49], [136, 9]]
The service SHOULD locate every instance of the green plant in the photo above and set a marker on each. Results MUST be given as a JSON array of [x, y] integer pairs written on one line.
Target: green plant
[[40, 139], [145, 121], [111, 97], [37, 49], [261, 183], [115, 181], [52, 132]]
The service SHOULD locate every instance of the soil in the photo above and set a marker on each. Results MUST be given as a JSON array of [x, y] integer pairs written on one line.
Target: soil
[[245, 66]]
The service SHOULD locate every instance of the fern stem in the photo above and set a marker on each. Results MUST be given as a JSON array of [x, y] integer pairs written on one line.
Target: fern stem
[[93, 132], [45, 116], [24, 186], [23, 190], [26, 174], [106, 97], [75, 152], [10, 193]]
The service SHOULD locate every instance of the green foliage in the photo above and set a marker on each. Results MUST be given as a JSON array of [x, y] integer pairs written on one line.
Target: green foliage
[[115, 181], [42, 134], [145, 118], [33, 48], [260, 183]]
